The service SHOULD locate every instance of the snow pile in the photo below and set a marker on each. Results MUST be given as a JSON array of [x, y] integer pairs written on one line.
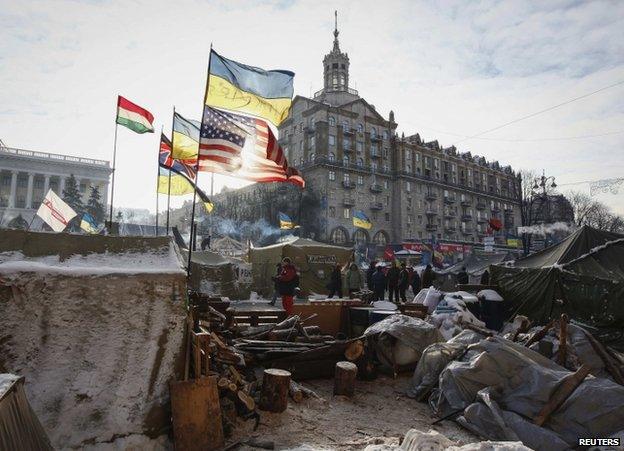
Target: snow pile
[[450, 313], [416, 440], [157, 261]]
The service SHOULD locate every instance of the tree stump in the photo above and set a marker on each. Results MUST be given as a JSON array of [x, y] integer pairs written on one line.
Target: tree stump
[[275, 386], [344, 380]]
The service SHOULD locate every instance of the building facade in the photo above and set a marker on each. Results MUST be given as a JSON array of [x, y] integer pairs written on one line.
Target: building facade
[[352, 159], [26, 176]]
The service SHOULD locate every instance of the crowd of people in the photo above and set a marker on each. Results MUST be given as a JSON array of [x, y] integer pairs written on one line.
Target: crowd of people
[[396, 280]]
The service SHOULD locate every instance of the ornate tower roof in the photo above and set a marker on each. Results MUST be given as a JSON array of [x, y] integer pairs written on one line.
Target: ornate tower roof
[[336, 65]]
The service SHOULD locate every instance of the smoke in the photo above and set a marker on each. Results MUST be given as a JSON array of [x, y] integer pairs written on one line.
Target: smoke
[[260, 232], [544, 229]]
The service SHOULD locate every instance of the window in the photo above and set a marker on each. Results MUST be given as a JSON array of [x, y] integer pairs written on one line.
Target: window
[[385, 168], [360, 162], [408, 168], [385, 134], [387, 216], [301, 127], [38, 183], [332, 212], [343, 81], [332, 175], [22, 182], [345, 178], [385, 184], [346, 213], [373, 132], [346, 143], [385, 152], [360, 128], [332, 156], [332, 120], [311, 156], [332, 140], [345, 125], [436, 163], [338, 236], [408, 186], [301, 146], [374, 165], [312, 142], [374, 149], [359, 146], [345, 160], [360, 180], [417, 157], [408, 156]]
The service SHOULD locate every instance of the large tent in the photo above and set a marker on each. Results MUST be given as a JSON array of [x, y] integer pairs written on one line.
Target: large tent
[[582, 276], [314, 261], [217, 275], [476, 264]]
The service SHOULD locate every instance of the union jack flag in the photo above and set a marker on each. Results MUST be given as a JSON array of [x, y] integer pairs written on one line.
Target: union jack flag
[[183, 167]]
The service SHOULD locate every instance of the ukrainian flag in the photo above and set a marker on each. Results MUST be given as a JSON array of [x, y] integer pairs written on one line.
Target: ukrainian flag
[[185, 138], [237, 87], [180, 184], [286, 222], [88, 224], [361, 220]]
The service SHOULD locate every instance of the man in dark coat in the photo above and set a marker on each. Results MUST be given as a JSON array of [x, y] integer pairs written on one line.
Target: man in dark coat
[[485, 278], [403, 282], [462, 276], [369, 275], [278, 271], [335, 282], [415, 282], [428, 277], [393, 283], [378, 284]]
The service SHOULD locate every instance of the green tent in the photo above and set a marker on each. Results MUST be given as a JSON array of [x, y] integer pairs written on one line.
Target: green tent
[[313, 260], [582, 276], [217, 275]]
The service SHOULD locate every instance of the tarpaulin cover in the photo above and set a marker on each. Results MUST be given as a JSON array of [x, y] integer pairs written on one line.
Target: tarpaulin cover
[[582, 276], [313, 260], [19, 426], [522, 381]]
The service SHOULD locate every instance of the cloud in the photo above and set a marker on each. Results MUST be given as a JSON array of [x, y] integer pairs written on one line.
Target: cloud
[[456, 66]]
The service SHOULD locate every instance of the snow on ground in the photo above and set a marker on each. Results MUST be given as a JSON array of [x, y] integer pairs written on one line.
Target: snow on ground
[[164, 260]]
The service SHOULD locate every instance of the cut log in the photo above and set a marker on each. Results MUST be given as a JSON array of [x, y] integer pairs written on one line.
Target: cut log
[[563, 340], [344, 379], [295, 392], [288, 323], [354, 351], [247, 400], [275, 385], [223, 383], [283, 334], [611, 364], [540, 333], [313, 330], [561, 393]]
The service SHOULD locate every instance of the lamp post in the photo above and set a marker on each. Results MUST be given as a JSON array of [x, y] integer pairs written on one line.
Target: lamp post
[[539, 189]]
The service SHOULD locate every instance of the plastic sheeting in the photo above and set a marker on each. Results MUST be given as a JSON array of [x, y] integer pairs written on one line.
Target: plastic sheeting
[[19, 426], [406, 331], [506, 377]]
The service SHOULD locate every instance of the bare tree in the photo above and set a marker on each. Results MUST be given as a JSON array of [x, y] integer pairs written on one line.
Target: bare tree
[[588, 211]]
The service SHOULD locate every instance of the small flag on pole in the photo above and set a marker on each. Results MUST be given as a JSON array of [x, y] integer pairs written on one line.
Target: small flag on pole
[[285, 222], [55, 212], [185, 138], [88, 224], [134, 117], [361, 220]]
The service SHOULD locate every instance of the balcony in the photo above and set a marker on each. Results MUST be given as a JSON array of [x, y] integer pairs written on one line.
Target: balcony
[[347, 149], [335, 88], [348, 131], [449, 214], [482, 220], [467, 231], [431, 196], [480, 205], [431, 227], [375, 138], [449, 199], [375, 154], [348, 184], [348, 201], [431, 212], [376, 188], [466, 217], [309, 130], [376, 206], [495, 210], [450, 229], [466, 203]]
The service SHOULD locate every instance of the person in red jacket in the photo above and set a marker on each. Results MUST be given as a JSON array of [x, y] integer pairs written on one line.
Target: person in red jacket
[[287, 283]]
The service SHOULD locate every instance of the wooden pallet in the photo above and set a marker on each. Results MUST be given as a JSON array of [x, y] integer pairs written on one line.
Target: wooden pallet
[[255, 317]]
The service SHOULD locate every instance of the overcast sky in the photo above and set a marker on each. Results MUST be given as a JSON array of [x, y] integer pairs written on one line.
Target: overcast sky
[[447, 69]]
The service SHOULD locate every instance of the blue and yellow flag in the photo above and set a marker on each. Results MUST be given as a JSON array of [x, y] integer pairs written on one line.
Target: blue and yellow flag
[[88, 224], [361, 220], [185, 138], [286, 222], [180, 184], [240, 88]]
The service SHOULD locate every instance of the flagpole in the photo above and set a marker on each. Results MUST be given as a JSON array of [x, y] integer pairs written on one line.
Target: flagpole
[[169, 185], [110, 218], [158, 178], [190, 252]]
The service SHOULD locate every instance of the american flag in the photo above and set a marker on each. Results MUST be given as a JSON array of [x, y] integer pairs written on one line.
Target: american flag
[[184, 167], [243, 147]]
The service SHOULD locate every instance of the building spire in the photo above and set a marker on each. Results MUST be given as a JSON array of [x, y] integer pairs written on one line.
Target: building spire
[[336, 32]]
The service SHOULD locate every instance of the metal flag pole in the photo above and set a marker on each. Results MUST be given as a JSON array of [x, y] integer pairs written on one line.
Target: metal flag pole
[[169, 185], [158, 177], [110, 218], [190, 251]]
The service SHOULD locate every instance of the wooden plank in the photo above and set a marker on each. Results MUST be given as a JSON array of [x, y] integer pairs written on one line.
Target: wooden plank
[[196, 413]]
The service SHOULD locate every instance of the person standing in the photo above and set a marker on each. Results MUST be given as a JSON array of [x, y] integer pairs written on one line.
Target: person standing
[[354, 279], [462, 276], [335, 282], [278, 271], [369, 275], [287, 281], [403, 282], [415, 281], [428, 277], [393, 283], [378, 284]]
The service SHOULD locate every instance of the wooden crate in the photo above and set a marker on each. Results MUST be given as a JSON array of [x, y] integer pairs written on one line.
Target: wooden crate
[[413, 310]]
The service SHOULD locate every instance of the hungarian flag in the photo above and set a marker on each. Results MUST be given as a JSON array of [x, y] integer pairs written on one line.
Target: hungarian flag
[[55, 212], [134, 117]]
